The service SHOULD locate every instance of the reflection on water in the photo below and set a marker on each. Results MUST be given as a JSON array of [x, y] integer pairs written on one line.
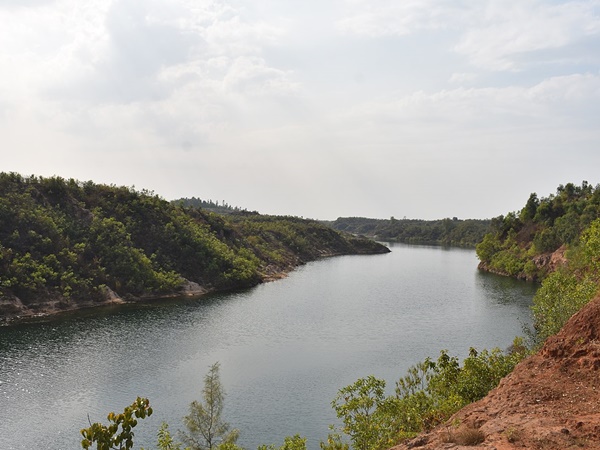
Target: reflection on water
[[504, 290], [285, 347]]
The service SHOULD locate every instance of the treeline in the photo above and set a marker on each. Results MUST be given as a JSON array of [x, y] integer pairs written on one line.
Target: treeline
[[519, 244], [452, 232], [210, 205], [72, 242]]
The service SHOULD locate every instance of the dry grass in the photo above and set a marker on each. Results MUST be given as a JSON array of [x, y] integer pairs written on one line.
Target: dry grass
[[512, 435], [466, 436]]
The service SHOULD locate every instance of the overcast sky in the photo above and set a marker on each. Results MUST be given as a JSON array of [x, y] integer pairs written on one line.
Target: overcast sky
[[417, 108]]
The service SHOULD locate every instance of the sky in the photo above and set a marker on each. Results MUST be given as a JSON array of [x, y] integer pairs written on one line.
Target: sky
[[407, 108]]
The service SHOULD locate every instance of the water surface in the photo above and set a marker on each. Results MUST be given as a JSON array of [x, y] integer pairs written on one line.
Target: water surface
[[285, 347]]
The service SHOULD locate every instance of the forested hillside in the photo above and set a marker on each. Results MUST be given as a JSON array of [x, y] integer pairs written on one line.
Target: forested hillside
[[456, 232], [522, 244], [555, 240], [73, 243]]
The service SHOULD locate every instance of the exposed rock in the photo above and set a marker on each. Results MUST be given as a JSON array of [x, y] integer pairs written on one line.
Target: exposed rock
[[551, 261], [550, 401], [112, 296], [190, 288], [10, 306]]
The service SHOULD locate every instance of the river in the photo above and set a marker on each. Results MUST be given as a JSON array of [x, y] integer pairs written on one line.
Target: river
[[285, 347]]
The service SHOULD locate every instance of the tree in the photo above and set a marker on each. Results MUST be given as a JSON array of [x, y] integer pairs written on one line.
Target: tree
[[108, 437], [528, 213], [295, 442], [360, 406], [206, 430], [165, 440]]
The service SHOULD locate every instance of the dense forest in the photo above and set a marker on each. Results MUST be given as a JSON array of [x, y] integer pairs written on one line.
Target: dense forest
[[73, 243], [454, 232]]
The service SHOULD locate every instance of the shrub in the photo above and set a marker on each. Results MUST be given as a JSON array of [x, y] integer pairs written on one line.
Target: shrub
[[427, 395]]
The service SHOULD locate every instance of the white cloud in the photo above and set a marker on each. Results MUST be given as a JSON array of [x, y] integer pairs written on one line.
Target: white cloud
[[500, 32], [545, 115], [393, 18], [493, 34], [462, 77], [10, 4], [179, 72]]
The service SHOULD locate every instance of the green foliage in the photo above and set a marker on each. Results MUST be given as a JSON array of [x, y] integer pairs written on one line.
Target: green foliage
[[590, 249], [165, 440], [427, 395], [289, 443], [228, 446], [488, 247], [455, 232], [528, 213], [210, 205], [118, 435], [334, 441], [567, 290], [65, 240], [561, 295], [361, 408], [515, 242], [205, 427]]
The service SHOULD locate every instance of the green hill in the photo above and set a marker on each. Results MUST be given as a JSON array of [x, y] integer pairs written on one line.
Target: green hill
[[453, 232], [66, 244], [521, 244]]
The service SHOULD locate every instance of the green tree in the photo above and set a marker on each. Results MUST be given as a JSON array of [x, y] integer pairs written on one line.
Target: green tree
[[165, 440], [206, 429], [295, 442], [429, 394], [334, 441], [109, 437], [362, 408], [528, 213]]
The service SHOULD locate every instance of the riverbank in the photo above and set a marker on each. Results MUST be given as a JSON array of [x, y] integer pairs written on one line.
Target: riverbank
[[14, 311], [68, 244]]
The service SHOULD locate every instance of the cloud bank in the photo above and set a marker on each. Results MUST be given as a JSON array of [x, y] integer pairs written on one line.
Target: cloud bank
[[415, 108]]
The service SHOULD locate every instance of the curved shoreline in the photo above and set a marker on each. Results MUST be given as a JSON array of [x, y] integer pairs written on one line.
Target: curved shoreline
[[58, 307]]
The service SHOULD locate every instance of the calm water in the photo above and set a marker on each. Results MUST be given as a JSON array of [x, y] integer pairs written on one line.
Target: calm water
[[285, 347]]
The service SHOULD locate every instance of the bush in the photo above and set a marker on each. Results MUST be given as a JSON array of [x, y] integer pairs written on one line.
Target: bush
[[427, 395]]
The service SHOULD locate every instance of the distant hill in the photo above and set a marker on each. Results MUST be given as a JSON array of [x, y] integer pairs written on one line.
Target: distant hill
[[455, 232], [66, 244]]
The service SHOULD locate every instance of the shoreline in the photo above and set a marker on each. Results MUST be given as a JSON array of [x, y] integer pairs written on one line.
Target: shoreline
[[51, 309]]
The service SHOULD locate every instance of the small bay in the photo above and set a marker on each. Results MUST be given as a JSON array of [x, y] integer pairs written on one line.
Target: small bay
[[285, 347]]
